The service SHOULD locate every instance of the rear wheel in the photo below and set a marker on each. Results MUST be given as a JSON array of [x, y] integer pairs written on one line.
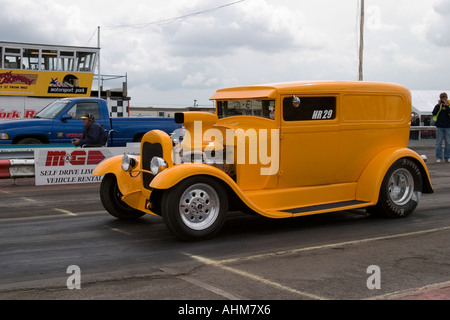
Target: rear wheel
[[110, 196], [400, 190], [195, 209]]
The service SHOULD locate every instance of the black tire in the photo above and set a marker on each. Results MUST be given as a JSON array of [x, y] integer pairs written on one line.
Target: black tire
[[400, 190], [29, 141], [110, 196], [195, 208]]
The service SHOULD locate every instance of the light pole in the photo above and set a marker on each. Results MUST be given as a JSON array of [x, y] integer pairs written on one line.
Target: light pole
[[361, 42]]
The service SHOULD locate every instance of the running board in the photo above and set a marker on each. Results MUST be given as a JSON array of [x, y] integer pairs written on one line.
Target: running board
[[328, 206]]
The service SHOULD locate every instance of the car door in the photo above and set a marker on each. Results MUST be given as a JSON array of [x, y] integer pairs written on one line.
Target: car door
[[309, 140], [64, 130]]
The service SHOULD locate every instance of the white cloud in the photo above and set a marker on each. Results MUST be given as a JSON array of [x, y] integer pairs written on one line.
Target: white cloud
[[438, 24], [255, 25], [174, 61]]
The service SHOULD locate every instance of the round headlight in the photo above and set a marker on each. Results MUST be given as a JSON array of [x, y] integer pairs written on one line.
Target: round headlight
[[129, 162], [157, 165]]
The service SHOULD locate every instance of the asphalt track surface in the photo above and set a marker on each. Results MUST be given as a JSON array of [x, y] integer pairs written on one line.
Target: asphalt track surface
[[47, 229]]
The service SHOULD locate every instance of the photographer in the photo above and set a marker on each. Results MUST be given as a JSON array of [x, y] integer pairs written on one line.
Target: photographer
[[441, 113], [93, 135]]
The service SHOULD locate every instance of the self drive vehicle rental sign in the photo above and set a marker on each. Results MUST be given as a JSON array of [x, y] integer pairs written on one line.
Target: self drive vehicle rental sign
[[72, 165]]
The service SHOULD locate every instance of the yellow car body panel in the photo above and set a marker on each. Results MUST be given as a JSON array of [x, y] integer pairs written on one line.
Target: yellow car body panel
[[370, 181], [319, 147], [170, 177], [129, 185]]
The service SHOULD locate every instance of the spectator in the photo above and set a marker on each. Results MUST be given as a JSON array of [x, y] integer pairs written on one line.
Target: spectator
[[441, 113]]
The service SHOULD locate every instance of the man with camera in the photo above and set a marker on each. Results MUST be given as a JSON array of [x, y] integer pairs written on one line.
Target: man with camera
[[441, 116]]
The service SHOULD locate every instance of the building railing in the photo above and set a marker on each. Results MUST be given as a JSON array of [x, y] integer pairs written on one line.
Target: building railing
[[428, 132]]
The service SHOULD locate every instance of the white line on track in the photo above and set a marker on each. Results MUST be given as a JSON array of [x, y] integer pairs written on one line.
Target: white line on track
[[65, 211], [27, 199], [257, 278], [332, 245], [121, 231], [210, 288], [221, 263]]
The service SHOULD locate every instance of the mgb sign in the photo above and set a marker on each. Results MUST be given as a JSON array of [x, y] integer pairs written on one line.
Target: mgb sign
[[77, 158], [72, 165]]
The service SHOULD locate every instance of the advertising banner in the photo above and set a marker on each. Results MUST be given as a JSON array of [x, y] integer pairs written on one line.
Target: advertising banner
[[45, 83], [73, 165], [22, 107]]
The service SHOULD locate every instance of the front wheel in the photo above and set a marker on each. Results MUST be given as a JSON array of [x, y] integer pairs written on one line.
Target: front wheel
[[400, 190], [29, 141], [110, 196], [195, 209]]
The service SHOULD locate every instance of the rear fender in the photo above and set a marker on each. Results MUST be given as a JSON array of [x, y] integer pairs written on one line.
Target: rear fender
[[369, 183]]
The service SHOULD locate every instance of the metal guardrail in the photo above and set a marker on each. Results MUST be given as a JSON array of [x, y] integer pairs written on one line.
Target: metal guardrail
[[25, 151], [423, 130], [417, 128], [16, 168], [18, 161], [6, 154]]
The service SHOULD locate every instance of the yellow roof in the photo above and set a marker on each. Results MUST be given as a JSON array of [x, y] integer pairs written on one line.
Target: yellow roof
[[269, 91]]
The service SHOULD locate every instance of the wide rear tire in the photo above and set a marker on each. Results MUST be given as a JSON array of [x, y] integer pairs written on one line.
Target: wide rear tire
[[400, 190]]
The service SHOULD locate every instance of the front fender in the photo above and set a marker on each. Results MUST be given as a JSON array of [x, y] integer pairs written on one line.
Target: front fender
[[370, 181], [126, 182], [110, 165], [173, 175], [130, 185]]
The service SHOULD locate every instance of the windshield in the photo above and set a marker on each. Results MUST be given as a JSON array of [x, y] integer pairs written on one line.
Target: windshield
[[260, 108], [52, 110]]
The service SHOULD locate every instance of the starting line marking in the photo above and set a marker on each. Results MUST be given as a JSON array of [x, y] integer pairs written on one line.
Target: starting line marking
[[221, 263], [257, 278]]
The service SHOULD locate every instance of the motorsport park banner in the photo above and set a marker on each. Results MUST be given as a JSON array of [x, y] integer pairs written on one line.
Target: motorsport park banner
[[73, 165], [45, 83]]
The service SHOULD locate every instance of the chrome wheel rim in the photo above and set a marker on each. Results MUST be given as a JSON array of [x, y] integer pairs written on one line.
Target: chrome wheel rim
[[401, 186], [199, 206]]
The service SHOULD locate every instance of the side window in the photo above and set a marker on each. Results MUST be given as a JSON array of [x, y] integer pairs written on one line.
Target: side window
[[81, 108], [11, 60], [309, 108], [259, 108], [73, 112], [31, 59]]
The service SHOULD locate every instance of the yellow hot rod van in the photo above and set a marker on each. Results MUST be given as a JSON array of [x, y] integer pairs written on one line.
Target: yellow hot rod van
[[279, 150]]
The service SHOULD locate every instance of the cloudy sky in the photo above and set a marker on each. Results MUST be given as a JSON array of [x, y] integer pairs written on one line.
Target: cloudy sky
[[178, 51]]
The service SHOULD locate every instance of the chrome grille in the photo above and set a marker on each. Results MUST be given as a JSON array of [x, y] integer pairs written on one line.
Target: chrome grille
[[149, 150]]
